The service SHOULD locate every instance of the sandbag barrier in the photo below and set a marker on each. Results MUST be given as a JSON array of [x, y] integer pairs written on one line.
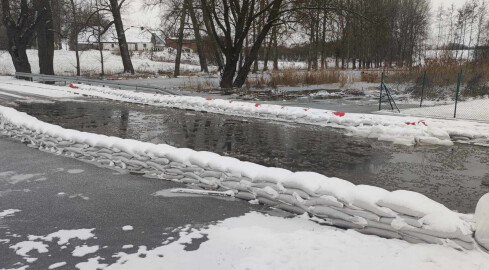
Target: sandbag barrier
[[370, 210], [402, 130]]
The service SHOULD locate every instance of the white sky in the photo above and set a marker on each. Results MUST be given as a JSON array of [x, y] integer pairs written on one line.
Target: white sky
[[436, 3]]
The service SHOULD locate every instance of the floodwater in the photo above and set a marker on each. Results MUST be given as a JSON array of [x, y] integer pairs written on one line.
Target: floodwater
[[452, 175]]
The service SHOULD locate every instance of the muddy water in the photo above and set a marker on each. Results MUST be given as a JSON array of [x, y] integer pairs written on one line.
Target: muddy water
[[450, 175]]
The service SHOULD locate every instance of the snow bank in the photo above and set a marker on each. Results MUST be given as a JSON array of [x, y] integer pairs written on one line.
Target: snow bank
[[482, 219], [258, 241], [400, 214]]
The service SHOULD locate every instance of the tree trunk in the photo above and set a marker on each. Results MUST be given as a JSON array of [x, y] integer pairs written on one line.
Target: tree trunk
[[18, 34], [45, 37], [121, 36], [252, 57], [275, 50], [75, 29], [198, 38], [215, 48], [176, 73], [229, 71]]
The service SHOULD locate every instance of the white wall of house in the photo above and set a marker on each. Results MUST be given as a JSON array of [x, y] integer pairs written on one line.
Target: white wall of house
[[140, 46]]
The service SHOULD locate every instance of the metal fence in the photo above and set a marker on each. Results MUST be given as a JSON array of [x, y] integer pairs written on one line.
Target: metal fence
[[115, 84], [457, 97]]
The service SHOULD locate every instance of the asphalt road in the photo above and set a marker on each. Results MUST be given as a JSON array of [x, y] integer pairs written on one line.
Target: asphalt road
[[59, 193]]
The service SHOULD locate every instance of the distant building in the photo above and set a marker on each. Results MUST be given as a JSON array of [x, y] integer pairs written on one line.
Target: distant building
[[187, 44], [138, 39]]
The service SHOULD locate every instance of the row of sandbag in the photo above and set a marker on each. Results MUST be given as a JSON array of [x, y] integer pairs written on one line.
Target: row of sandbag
[[368, 219]]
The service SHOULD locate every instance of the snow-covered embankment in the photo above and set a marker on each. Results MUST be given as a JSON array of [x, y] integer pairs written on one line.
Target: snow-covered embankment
[[371, 210]]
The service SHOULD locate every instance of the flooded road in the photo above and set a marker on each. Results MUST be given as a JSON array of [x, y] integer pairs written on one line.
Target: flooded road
[[451, 175]]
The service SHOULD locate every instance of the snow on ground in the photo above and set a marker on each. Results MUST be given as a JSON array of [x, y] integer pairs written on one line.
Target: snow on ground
[[8, 212], [397, 129], [11, 84], [258, 241], [56, 265], [471, 109], [64, 236], [81, 251], [127, 228], [24, 247], [65, 62]]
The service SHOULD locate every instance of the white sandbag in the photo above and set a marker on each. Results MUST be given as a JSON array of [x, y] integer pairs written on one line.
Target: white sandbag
[[482, 222], [427, 238], [324, 200], [156, 166], [291, 208], [210, 174], [203, 158], [272, 175], [359, 213], [449, 223], [136, 162], [308, 182], [342, 223], [251, 170], [262, 193], [299, 192], [412, 240], [366, 197], [411, 203], [267, 201], [288, 199], [162, 161], [189, 181], [379, 232], [412, 221], [328, 212], [174, 171], [439, 234], [234, 185], [245, 196]]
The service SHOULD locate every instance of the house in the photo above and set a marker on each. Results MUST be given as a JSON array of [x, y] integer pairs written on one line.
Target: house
[[187, 44], [138, 39]]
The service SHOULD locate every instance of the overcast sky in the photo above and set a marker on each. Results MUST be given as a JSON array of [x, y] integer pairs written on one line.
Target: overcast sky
[[446, 3], [135, 15]]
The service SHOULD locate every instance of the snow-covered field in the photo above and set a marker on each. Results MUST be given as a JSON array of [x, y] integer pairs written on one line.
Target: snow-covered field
[[472, 109], [65, 62]]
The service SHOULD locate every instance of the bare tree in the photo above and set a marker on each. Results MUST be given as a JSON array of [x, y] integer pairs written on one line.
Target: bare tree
[[20, 31]]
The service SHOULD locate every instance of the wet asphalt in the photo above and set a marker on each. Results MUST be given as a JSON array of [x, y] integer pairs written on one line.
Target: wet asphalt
[[51, 199]]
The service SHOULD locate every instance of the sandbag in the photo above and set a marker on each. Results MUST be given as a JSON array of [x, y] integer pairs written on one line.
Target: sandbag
[[411, 203], [267, 201], [379, 232], [359, 213], [324, 200], [482, 222], [366, 197], [291, 208], [245, 196], [299, 192]]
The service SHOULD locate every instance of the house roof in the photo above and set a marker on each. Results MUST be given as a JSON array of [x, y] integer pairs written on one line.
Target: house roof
[[133, 35]]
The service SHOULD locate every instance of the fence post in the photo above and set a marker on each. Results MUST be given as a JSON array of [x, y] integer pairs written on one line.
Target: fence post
[[422, 89], [381, 88], [458, 92]]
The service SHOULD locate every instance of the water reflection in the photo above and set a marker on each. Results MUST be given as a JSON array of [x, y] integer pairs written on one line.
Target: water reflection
[[451, 175]]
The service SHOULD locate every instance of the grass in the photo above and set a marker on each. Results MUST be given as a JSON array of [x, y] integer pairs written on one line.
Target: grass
[[294, 77]]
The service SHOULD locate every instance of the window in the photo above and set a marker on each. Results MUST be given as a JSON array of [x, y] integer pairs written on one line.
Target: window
[[144, 45], [112, 45]]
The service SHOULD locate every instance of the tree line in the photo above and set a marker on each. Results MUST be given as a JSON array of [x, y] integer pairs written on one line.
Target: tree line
[[238, 35]]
